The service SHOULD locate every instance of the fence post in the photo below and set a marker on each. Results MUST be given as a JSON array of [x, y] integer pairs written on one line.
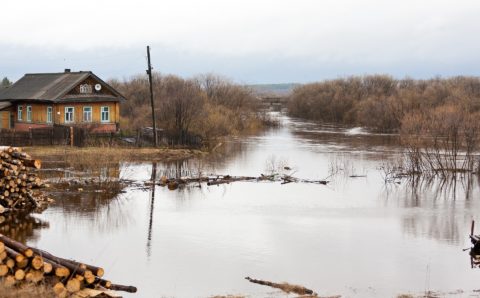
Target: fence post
[[71, 136]]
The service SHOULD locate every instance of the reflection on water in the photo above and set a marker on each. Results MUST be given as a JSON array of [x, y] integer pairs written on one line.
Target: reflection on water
[[21, 226], [152, 205], [357, 237]]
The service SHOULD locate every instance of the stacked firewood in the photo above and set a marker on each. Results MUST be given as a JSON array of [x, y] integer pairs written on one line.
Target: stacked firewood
[[18, 179], [22, 264]]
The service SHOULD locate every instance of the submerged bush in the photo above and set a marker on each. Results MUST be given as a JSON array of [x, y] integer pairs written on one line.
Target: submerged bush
[[379, 101], [443, 141]]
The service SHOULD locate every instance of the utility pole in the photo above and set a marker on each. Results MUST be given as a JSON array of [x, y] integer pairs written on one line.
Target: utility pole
[[149, 72]]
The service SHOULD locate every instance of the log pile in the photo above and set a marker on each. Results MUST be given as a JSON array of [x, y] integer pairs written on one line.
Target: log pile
[[18, 180], [20, 264]]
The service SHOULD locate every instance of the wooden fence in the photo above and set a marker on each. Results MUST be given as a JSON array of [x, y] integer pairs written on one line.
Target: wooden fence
[[81, 137]]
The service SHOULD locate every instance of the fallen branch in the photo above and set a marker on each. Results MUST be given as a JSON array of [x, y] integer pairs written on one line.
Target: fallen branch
[[286, 287], [174, 183]]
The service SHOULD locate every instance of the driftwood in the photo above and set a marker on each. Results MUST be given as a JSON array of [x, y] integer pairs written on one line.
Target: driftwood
[[174, 183], [20, 263], [286, 287]]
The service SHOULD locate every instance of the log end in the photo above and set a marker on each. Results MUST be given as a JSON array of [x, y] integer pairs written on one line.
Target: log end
[[19, 274], [73, 285], [60, 290]]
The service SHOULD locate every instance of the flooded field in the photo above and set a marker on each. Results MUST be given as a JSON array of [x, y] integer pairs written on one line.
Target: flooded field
[[356, 236]]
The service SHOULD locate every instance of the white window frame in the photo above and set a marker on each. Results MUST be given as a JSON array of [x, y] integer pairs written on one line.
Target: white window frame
[[49, 114], [107, 111], [20, 113], [89, 113], [29, 113], [85, 89], [67, 113]]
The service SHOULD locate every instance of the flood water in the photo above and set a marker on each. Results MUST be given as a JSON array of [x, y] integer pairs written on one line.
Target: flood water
[[355, 237]]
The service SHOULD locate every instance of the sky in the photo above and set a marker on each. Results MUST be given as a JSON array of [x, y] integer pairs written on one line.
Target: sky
[[253, 42]]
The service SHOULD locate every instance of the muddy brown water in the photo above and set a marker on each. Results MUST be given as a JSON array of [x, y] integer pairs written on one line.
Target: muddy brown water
[[355, 237]]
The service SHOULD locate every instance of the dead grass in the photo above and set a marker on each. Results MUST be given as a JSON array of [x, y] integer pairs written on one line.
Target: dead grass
[[112, 154], [27, 291]]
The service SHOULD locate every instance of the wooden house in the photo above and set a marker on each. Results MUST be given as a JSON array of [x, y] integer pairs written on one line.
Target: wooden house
[[67, 98]]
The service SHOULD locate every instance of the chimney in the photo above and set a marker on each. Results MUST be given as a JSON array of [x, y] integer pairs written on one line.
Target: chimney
[[67, 70]]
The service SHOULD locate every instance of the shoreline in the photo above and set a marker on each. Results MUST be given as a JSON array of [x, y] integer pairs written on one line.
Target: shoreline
[[113, 154]]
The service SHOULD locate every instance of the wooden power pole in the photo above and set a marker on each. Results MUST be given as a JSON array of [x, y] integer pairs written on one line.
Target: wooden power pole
[[149, 72]]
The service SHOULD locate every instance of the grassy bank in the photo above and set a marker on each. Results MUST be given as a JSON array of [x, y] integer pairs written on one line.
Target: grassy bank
[[110, 154]]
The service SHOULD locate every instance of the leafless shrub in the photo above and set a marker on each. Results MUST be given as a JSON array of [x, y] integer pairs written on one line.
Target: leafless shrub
[[381, 102], [441, 142], [208, 106]]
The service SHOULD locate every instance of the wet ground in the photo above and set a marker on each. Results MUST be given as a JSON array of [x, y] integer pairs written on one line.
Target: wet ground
[[355, 237]]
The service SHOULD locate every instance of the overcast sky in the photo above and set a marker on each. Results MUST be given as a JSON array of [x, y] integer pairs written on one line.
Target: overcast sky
[[262, 41]]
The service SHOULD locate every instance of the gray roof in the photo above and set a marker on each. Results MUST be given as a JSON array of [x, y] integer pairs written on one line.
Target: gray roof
[[47, 86], [4, 105]]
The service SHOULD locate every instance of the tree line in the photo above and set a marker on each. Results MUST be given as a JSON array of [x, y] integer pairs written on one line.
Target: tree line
[[438, 119], [207, 105], [381, 102], [5, 83]]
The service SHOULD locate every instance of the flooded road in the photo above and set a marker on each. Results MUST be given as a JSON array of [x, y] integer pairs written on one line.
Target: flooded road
[[355, 237]]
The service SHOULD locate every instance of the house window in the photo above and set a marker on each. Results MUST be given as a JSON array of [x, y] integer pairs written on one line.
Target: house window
[[105, 114], [20, 113], [85, 89], [49, 115], [87, 114], [69, 111], [29, 113]]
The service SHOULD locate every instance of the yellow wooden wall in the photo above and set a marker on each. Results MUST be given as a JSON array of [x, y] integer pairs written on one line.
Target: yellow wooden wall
[[39, 112], [4, 119]]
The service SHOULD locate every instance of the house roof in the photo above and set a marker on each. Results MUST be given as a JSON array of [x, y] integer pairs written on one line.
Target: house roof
[[48, 86], [4, 105]]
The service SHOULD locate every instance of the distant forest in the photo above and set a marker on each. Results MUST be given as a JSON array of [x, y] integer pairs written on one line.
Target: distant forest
[[385, 104]]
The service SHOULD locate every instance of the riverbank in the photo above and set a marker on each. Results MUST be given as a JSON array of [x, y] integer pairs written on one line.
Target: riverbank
[[110, 154]]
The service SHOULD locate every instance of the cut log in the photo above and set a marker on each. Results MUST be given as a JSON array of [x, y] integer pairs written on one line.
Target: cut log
[[10, 263], [47, 267], [34, 276], [98, 271], [59, 270], [18, 257], [23, 264], [3, 270], [128, 289], [73, 285], [60, 290], [32, 163], [89, 277], [19, 247], [19, 274], [73, 266], [9, 281], [69, 276], [37, 262]]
